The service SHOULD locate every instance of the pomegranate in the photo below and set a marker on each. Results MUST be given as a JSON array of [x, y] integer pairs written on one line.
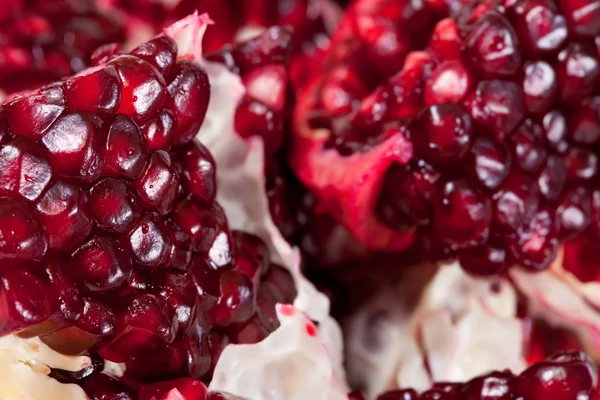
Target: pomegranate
[[114, 243], [43, 40], [474, 139]]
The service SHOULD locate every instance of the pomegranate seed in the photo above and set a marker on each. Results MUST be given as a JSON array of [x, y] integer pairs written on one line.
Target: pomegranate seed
[[98, 92], [113, 205], [196, 168], [23, 301], [541, 28], [149, 241], [126, 152], [449, 83], [159, 183], [159, 131], [578, 73], [23, 236], [32, 115], [160, 51], [539, 87], [537, 243], [103, 387], [190, 388]]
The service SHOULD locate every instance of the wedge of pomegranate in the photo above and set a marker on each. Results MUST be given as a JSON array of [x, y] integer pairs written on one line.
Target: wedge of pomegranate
[[45, 40], [113, 242], [482, 145]]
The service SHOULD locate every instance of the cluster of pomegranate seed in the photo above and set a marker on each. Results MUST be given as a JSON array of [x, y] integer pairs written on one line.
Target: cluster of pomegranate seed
[[482, 145], [566, 376], [112, 242], [42, 41]]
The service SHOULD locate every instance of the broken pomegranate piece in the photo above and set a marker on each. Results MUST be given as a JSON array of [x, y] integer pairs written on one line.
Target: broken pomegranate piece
[[118, 248], [486, 151]]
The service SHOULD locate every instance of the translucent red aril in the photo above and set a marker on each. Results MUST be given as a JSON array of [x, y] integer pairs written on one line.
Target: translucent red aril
[[448, 83], [32, 115], [101, 265], [23, 301], [442, 135], [489, 162], [126, 152], [578, 73], [515, 201], [24, 169], [494, 386], [159, 131], [159, 183], [487, 260], [144, 324], [103, 387], [149, 241], [196, 168], [98, 91], [462, 216], [582, 16], [581, 163], [491, 48], [497, 106], [143, 89], [189, 92], [539, 87], [536, 243], [160, 51], [23, 236], [113, 205], [574, 212], [542, 29], [584, 123], [555, 130], [255, 118], [528, 146], [552, 179], [237, 300], [75, 146], [64, 212]]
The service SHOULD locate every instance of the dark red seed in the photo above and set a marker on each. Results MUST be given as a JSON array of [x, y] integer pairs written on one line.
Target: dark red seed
[[24, 239], [515, 202], [528, 146], [584, 122], [159, 183], [443, 134], [126, 151], [555, 130], [536, 243], [493, 386], [188, 97], [489, 162], [30, 115], [541, 27], [552, 179], [196, 168], [101, 265], [160, 51], [113, 205], [97, 91], [237, 300], [23, 301], [574, 212], [191, 389], [143, 89], [578, 73], [539, 87], [581, 163], [103, 387], [583, 16], [487, 260], [255, 118], [491, 48], [75, 146], [24, 169], [149, 242], [64, 212], [159, 130]]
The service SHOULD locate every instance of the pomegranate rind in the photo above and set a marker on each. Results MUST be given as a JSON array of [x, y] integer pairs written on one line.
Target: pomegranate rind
[[25, 365], [562, 300], [346, 187], [291, 363], [461, 327]]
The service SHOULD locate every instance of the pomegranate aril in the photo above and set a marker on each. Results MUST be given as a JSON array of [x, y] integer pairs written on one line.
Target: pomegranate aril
[[24, 169], [24, 240], [442, 134], [75, 146], [541, 28], [583, 16], [491, 48], [207, 228], [160, 51], [197, 171], [181, 249], [494, 386], [23, 301], [528, 146], [101, 265], [552, 179], [255, 118], [237, 299], [449, 83], [143, 88], [584, 122], [536, 243], [497, 106], [97, 91], [113, 205], [159, 130], [126, 151], [581, 163], [158, 184], [462, 215], [149, 241], [539, 87], [486, 260], [103, 387], [32, 114], [64, 212], [252, 255], [574, 212], [97, 319], [180, 294], [555, 130], [578, 73], [489, 162], [515, 202], [145, 323], [272, 47], [281, 278], [188, 96]]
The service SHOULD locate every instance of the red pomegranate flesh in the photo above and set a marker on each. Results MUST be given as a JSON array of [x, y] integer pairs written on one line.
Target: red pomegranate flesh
[[475, 138], [113, 243]]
